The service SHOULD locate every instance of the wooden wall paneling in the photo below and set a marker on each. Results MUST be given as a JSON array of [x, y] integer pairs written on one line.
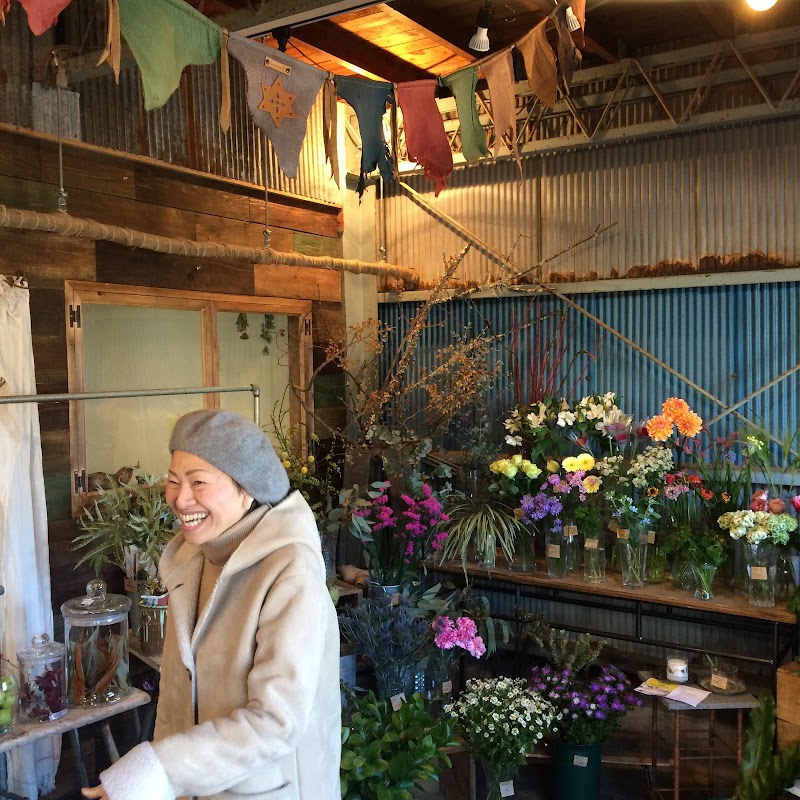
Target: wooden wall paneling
[[58, 496], [50, 360], [153, 186], [47, 312], [19, 155], [306, 218], [298, 282], [26, 194], [55, 452], [46, 260], [127, 213], [310, 244], [89, 170], [119, 264], [335, 417], [211, 228], [328, 322]]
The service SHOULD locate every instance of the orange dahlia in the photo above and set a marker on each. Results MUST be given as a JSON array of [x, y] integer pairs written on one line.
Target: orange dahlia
[[659, 428], [674, 407], [689, 423]]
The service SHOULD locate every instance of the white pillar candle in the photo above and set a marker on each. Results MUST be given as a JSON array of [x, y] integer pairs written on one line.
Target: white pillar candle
[[677, 669]]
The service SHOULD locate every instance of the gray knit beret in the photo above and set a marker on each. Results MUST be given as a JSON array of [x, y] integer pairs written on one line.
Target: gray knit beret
[[235, 445]]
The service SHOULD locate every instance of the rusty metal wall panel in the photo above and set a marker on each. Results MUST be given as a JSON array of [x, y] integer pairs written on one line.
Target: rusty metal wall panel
[[16, 67], [721, 192]]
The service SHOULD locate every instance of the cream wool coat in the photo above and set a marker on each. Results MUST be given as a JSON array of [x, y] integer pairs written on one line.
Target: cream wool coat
[[259, 671]]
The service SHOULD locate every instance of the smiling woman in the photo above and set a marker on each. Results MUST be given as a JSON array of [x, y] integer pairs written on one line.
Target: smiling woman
[[248, 600]]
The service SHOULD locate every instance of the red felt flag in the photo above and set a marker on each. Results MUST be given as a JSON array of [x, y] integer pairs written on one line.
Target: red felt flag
[[42, 14]]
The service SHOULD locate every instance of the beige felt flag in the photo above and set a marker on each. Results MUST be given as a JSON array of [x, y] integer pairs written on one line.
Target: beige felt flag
[[499, 72], [540, 64]]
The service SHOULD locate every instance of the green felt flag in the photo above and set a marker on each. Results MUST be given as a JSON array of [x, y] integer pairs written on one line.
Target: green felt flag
[[165, 36]]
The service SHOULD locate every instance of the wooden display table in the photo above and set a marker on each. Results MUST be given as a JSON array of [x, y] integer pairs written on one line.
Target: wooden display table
[[775, 629], [28, 732]]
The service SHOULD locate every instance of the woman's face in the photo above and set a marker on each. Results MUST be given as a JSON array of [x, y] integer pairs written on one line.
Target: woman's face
[[205, 499]]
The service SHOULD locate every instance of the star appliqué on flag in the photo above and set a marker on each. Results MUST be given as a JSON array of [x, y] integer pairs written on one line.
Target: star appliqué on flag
[[277, 102]]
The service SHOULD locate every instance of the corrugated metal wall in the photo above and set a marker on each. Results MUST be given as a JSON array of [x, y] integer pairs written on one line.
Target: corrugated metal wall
[[717, 192], [16, 65]]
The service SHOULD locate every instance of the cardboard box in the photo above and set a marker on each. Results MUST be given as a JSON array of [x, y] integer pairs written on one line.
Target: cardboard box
[[788, 734], [789, 692]]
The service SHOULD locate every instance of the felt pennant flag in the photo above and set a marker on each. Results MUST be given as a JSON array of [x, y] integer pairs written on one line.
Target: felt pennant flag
[[330, 127], [568, 54], [165, 36], [5, 7], [579, 10], [280, 93], [473, 137], [499, 72], [42, 14], [540, 64], [426, 139], [113, 50], [368, 99]]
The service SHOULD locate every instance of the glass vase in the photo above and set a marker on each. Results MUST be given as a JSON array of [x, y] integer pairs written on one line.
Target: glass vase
[[498, 780], [682, 575], [784, 575], [394, 679], [633, 558], [485, 550], [703, 578], [656, 571], [594, 560], [524, 559], [761, 564], [572, 547], [439, 681], [9, 702], [555, 553]]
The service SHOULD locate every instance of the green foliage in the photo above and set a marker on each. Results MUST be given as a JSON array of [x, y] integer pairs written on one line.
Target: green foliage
[[558, 646], [762, 775], [386, 753], [128, 526], [697, 546]]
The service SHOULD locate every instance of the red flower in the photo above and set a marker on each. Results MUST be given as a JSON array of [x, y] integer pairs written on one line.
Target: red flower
[[796, 503], [706, 494], [776, 506], [669, 478], [758, 504]]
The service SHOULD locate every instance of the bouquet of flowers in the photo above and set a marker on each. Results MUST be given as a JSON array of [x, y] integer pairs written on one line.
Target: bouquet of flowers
[[501, 720], [395, 544], [676, 421], [758, 526], [514, 477], [452, 638], [590, 708]]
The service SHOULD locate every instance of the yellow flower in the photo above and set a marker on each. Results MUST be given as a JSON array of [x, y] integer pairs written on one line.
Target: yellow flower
[[585, 461], [689, 424], [510, 471], [498, 466], [592, 483], [284, 455], [674, 407], [516, 460], [304, 470], [652, 491], [570, 464], [286, 463], [311, 459], [553, 466], [659, 428], [530, 469]]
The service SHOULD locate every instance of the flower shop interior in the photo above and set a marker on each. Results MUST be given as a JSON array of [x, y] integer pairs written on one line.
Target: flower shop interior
[[511, 287]]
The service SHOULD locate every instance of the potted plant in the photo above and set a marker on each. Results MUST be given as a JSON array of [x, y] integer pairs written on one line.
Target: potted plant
[[388, 752], [128, 526]]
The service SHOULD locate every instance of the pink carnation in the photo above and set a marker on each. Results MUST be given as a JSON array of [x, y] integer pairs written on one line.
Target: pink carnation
[[776, 506], [796, 503]]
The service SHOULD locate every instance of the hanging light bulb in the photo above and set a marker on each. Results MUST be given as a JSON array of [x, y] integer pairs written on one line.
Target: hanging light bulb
[[480, 41], [572, 20], [761, 5]]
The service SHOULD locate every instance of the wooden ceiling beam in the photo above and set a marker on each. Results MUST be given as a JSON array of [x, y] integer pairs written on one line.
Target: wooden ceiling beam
[[348, 47]]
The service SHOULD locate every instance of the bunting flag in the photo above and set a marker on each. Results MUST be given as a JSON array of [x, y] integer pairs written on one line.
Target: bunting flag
[[42, 14], [280, 93], [5, 7], [579, 10], [113, 50], [225, 84], [368, 99], [165, 36], [426, 140], [473, 137], [568, 55], [330, 127], [540, 64], [499, 72]]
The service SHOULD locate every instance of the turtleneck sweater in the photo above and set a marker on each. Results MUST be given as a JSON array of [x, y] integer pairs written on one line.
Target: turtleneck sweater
[[218, 550]]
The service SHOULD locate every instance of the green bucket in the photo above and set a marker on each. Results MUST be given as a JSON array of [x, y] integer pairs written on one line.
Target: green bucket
[[577, 771]]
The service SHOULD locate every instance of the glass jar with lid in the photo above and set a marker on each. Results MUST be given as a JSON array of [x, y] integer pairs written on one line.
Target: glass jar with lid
[[43, 689], [9, 701], [96, 637]]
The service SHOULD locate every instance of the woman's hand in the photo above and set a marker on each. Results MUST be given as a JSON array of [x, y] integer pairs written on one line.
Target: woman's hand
[[95, 792]]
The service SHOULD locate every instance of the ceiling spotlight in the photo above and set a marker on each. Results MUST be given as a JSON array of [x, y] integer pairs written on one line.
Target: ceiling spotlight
[[761, 5], [480, 41], [572, 20]]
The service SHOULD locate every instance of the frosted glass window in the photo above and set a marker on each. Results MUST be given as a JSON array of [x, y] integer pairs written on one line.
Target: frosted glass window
[[128, 347], [243, 340]]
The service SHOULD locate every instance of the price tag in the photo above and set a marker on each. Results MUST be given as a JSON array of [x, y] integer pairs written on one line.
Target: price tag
[[719, 681], [397, 701], [447, 687], [507, 789], [591, 544], [58, 714], [570, 530], [623, 533], [580, 761], [758, 573], [651, 537], [554, 551]]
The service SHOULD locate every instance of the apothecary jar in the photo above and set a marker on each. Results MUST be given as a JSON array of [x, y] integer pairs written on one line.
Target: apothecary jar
[[43, 685], [96, 636]]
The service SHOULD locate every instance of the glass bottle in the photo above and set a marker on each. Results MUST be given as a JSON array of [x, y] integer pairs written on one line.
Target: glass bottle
[[43, 688]]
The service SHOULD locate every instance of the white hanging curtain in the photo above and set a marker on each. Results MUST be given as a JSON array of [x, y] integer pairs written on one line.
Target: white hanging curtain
[[26, 606]]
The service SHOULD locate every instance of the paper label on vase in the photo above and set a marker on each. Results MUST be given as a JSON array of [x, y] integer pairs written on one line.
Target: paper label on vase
[[719, 681], [623, 533], [570, 530], [554, 551], [758, 573], [397, 701], [580, 761], [651, 537], [591, 544], [447, 687], [506, 788]]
